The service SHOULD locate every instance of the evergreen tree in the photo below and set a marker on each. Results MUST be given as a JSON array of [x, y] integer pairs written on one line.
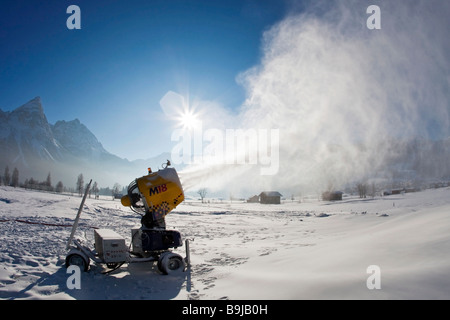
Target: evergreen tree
[[48, 182], [15, 178], [59, 187], [6, 177]]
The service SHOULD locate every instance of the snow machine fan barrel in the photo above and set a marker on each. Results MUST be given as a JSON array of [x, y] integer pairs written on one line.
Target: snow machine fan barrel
[[155, 194]]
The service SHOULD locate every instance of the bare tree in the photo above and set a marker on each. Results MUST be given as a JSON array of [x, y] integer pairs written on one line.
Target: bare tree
[[373, 190], [95, 190], [80, 184], [362, 189], [115, 190], [202, 193]]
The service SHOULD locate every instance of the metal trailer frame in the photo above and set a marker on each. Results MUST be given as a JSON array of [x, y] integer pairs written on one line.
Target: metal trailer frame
[[168, 261]]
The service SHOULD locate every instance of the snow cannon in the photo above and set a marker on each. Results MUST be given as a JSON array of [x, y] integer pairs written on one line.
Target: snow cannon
[[153, 196]]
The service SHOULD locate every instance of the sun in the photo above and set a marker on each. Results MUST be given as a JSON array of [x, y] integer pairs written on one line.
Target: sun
[[188, 120], [185, 115]]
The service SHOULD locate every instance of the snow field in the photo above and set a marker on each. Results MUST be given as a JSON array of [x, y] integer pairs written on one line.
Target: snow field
[[309, 250]]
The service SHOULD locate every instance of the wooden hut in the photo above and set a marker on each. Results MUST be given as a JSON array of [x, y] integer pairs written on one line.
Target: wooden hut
[[270, 197]]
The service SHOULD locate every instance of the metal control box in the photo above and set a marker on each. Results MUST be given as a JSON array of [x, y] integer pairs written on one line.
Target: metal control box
[[154, 240], [110, 246]]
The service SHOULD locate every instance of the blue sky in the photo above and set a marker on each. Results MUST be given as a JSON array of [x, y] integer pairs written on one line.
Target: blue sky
[[113, 72]]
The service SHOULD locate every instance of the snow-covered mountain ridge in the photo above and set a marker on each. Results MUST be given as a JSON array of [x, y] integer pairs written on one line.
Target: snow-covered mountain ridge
[[67, 148]]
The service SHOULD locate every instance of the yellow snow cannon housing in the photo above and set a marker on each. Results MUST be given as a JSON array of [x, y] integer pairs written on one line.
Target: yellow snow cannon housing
[[162, 191], [157, 193]]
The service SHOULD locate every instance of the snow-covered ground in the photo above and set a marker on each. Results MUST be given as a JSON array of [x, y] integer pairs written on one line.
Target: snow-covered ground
[[309, 250]]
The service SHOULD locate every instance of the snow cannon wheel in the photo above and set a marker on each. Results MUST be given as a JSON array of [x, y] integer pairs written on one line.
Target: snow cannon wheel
[[77, 258], [170, 263]]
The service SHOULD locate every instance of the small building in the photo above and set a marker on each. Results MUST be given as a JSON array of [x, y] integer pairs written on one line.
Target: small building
[[254, 199], [332, 195], [270, 197], [397, 191]]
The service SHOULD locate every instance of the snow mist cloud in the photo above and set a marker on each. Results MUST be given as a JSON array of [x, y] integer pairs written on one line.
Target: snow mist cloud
[[339, 93]]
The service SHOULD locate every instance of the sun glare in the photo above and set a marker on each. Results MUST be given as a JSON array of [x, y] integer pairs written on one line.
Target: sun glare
[[188, 120]]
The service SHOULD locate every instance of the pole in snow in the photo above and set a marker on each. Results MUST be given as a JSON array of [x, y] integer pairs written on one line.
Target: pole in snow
[[75, 224]]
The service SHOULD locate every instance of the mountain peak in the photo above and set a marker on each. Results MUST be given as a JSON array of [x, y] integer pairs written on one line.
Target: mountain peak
[[33, 104], [75, 136], [31, 111]]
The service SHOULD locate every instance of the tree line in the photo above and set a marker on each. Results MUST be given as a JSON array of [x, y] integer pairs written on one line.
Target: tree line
[[12, 180]]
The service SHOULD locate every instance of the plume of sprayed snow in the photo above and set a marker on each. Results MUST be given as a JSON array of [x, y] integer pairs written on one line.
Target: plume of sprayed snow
[[339, 92]]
